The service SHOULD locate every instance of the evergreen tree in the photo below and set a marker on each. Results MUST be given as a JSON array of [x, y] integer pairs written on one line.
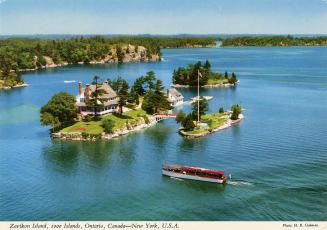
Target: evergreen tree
[[188, 123], [203, 108], [180, 116], [236, 111]]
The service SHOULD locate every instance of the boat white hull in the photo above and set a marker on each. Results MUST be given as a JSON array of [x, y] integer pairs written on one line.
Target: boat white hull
[[189, 177]]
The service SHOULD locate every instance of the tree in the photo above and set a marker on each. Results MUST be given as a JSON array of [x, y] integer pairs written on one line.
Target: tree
[[60, 111], [233, 79], [226, 75], [180, 116], [221, 110], [123, 96], [149, 79], [95, 101], [203, 108], [138, 86], [236, 111], [188, 123], [207, 65], [48, 119], [108, 125], [120, 54], [121, 87], [156, 100]]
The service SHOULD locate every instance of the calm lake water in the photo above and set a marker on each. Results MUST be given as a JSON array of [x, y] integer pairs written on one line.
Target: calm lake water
[[277, 155]]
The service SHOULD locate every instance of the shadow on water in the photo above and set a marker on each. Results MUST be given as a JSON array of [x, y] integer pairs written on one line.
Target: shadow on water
[[201, 186], [62, 156], [190, 145], [160, 133]]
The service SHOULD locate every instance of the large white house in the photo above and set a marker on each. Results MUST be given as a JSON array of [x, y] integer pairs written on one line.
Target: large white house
[[108, 99], [174, 97]]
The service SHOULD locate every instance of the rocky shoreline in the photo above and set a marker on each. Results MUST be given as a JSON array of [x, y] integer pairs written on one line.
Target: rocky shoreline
[[229, 123], [134, 54], [79, 136], [14, 86]]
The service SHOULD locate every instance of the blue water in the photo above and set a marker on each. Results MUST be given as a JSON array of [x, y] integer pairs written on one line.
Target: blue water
[[277, 155]]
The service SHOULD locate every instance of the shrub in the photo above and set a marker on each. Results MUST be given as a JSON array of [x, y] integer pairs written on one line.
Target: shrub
[[180, 116], [188, 123], [146, 119], [236, 111], [87, 118], [108, 125], [221, 110]]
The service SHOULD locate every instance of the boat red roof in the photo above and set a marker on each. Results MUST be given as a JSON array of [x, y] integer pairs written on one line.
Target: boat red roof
[[188, 168]]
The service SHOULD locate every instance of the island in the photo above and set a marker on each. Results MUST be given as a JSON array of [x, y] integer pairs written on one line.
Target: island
[[108, 109], [105, 109], [27, 54], [202, 75], [274, 41], [198, 123]]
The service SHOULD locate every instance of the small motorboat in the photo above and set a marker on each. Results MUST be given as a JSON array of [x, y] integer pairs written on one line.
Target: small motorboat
[[194, 99], [194, 173]]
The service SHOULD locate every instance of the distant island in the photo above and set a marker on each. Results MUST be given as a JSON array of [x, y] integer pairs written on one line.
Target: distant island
[[188, 77], [274, 41], [25, 54]]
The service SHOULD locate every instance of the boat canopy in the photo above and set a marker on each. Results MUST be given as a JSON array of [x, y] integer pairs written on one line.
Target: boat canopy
[[194, 169]]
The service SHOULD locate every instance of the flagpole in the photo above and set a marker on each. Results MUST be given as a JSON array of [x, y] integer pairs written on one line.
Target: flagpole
[[198, 97]]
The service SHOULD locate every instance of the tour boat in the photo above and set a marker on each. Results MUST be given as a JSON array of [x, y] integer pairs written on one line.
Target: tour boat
[[193, 173]]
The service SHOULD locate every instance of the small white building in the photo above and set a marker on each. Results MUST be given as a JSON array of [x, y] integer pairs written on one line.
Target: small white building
[[175, 97], [109, 99]]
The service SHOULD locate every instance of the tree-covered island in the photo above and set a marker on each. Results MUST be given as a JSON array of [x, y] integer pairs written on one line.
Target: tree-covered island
[[22, 54], [190, 75], [134, 109], [198, 123], [274, 41]]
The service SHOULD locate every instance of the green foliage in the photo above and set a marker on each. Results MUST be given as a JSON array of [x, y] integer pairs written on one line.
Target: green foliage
[[203, 108], [120, 54], [274, 41], [180, 116], [108, 125], [156, 101], [189, 75], [233, 79], [93, 101], [82, 49], [60, 111], [146, 119], [121, 87], [236, 111], [188, 123], [221, 110]]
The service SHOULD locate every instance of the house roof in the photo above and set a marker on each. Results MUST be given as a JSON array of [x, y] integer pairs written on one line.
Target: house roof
[[109, 95], [174, 92]]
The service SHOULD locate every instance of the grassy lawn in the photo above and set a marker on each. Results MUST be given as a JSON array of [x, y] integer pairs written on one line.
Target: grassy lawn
[[95, 127], [215, 81], [214, 120]]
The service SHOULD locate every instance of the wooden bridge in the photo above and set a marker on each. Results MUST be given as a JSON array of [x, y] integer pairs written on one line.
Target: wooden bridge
[[163, 116]]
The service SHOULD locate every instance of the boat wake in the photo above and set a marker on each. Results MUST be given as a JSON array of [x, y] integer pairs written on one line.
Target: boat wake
[[239, 182], [176, 178], [69, 81]]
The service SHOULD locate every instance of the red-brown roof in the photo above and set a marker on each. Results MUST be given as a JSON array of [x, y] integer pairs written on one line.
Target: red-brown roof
[[194, 169]]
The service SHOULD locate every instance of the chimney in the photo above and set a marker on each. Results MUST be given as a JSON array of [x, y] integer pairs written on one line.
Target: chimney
[[80, 89], [87, 92]]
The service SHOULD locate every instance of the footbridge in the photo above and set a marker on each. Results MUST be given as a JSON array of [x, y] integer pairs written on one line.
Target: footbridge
[[163, 116]]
